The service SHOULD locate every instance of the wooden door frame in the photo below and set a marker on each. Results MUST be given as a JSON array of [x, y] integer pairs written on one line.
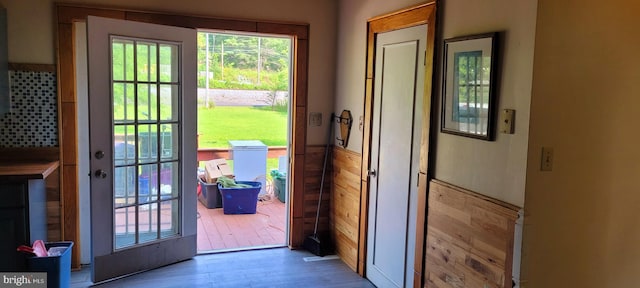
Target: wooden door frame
[[413, 16], [67, 14]]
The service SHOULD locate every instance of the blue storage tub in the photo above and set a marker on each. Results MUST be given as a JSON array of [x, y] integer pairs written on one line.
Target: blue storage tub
[[58, 268], [240, 200], [209, 195]]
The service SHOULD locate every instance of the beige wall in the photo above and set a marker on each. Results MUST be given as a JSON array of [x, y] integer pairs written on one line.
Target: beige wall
[[30, 31], [352, 46], [496, 169], [582, 227], [493, 168], [32, 34]]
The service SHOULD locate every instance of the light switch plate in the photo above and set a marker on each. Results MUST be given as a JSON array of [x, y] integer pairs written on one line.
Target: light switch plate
[[315, 119], [507, 118], [546, 163]]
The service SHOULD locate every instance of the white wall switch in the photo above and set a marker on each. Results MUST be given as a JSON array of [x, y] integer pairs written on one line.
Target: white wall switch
[[507, 118]]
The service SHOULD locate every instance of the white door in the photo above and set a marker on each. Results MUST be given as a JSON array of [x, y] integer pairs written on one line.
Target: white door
[[142, 103], [395, 155]]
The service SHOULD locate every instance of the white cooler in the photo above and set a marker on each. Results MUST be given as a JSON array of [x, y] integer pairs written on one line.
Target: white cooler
[[249, 161]]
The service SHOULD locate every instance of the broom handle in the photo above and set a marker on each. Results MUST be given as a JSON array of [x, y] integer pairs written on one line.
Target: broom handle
[[324, 168]]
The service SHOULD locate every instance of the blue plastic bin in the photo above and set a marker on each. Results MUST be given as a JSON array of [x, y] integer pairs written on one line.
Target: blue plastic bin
[[240, 200], [209, 195], [58, 268]]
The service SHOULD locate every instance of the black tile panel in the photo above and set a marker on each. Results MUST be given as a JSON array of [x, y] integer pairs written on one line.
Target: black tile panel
[[33, 118]]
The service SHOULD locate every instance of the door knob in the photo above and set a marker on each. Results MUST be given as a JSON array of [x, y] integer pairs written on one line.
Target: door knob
[[372, 173], [99, 155], [101, 173]]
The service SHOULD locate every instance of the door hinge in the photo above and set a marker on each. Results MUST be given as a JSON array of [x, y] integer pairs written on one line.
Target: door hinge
[[424, 60]]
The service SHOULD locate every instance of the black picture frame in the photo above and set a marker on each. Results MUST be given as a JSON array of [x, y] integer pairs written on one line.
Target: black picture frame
[[469, 86]]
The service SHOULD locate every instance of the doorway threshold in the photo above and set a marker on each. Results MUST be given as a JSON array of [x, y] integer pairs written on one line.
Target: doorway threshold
[[230, 250]]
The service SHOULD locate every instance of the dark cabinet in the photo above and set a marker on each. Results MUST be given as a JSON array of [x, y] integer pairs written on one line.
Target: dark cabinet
[[23, 219]]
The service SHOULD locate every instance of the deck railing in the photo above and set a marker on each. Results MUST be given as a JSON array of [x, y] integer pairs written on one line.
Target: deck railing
[[205, 154]]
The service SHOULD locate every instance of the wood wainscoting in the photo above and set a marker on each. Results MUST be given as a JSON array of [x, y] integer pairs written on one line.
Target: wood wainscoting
[[345, 205], [469, 239], [314, 160]]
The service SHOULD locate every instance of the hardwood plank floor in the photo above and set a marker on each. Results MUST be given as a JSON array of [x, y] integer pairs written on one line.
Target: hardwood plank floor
[[279, 267]]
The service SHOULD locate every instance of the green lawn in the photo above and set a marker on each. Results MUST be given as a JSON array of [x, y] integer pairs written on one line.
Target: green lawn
[[218, 125]]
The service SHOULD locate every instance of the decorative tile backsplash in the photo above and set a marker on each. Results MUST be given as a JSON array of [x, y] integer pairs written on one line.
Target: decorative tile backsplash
[[33, 118]]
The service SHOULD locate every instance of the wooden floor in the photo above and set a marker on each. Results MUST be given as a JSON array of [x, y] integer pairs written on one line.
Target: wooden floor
[[217, 231], [278, 267]]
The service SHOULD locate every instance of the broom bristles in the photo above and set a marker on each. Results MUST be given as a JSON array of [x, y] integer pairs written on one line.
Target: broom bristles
[[316, 246]]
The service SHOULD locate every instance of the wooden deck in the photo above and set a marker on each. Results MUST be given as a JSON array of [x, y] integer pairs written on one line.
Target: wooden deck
[[217, 231], [205, 154]]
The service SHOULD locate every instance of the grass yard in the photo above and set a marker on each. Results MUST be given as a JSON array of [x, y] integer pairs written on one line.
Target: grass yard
[[218, 125]]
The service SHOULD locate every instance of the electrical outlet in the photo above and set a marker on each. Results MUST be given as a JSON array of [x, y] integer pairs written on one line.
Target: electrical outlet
[[546, 163], [315, 119]]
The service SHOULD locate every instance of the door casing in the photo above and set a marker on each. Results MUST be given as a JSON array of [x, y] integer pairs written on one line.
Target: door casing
[[67, 14], [413, 16]]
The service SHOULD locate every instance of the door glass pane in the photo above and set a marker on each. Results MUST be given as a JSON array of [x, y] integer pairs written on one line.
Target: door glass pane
[[147, 102], [125, 186], [168, 63], [147, 183], [148, 222], [125, 227], [146, 141], [146, 60], [124, 145], [123, 102], [169, 96], [169, 180], [122, 59], [169, 218], [170, 142]]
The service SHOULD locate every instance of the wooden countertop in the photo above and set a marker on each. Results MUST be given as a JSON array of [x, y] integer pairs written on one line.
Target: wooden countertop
[[25, 170]]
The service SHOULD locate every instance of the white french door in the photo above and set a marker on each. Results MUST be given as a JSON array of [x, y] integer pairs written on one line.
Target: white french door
[[142, 103]]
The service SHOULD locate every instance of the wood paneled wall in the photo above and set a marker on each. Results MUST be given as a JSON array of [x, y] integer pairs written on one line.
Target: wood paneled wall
[[314, 160], [54, 206], [469, 239], [345, 204]]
